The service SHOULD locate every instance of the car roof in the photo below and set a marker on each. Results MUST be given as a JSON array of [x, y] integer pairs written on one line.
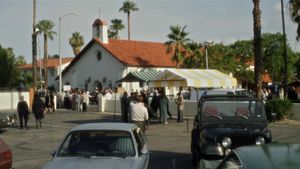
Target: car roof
[[275, 155], [229, 97], [105, 126]]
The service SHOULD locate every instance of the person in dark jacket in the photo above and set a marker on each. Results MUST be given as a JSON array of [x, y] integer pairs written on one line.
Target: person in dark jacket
[[23, 111], [155, 103], [163, 107], [124, 107], [38, 108]]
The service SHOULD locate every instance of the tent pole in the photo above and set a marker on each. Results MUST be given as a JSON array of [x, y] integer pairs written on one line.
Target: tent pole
[[115, 101]]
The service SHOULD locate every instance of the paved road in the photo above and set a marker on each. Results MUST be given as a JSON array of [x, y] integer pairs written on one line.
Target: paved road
[[169, 144]]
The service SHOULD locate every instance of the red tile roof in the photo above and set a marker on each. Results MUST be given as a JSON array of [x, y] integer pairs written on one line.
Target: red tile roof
[[51, 63], [132, 53], [266, 77], [138, 53], [99, 22]]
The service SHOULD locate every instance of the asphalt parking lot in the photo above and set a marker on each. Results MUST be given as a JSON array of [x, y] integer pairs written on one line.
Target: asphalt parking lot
[[168, 144]]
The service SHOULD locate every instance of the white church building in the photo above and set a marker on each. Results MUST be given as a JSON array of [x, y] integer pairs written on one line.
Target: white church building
[[104, 61]]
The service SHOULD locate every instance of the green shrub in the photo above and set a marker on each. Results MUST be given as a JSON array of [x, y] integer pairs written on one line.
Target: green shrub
[[280, 107]]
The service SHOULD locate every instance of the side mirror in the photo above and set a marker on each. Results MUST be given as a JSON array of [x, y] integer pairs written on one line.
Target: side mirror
[[143, 150], [53, 153]]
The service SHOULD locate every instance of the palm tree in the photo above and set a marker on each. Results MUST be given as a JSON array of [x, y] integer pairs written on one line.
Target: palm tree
[[45, 27], [294, 6], [128, 7], [257, 47], [177, 43], [114, 29], [20, 60], [76, 41], [194, 55], [34, 47]]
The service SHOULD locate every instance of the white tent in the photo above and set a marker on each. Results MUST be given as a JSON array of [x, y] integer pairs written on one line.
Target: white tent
[[199, 78]]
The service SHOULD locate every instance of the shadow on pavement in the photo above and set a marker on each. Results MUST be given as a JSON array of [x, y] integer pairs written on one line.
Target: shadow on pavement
[[169, 160]]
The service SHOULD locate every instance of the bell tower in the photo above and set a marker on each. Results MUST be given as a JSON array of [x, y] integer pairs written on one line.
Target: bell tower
[[100, 30]]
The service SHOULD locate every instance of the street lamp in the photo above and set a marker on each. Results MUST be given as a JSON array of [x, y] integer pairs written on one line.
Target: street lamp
[[59, 50], [206, 45]]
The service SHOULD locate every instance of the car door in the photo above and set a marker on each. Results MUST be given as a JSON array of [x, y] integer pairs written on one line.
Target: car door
[[142, 148]]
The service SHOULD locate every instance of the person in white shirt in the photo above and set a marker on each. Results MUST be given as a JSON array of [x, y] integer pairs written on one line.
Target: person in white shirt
[[108, 95], [139, 113]]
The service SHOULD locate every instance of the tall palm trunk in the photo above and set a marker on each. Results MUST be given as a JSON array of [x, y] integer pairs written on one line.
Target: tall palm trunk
[[128, 19], [34, 47], [45, 61], [257, 47]]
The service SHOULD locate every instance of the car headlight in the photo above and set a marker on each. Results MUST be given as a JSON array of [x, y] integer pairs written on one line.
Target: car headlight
[[260, 140], [226, 142]]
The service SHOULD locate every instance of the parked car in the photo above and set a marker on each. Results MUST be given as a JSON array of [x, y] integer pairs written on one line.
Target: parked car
[[102, 145], [227, 91], [225, 122], [271, 156], [7, 119], [5, 156]]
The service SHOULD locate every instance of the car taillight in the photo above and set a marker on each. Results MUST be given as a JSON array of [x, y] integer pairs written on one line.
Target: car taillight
[[7, 155]]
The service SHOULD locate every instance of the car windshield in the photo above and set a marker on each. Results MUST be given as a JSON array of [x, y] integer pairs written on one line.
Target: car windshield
[[98, 143], [231, 109]]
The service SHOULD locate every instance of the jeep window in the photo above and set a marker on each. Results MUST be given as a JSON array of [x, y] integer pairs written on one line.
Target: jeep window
[[231, 109]]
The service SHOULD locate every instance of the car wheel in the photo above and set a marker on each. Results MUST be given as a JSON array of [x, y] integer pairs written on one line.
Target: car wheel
[[194, 159], [193, 155]]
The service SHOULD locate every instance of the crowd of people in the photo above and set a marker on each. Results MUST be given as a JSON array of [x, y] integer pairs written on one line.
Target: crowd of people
[[76, 99], [135, 108]]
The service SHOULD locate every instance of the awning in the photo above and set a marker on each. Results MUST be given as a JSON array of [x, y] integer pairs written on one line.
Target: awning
[[140, 76], [200, 78]]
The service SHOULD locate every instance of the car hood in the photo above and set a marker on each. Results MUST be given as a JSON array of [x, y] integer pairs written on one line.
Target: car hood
[[92, 163]]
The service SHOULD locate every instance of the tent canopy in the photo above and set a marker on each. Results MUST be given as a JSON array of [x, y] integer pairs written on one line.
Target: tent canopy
[[200, 78], [140, 76]]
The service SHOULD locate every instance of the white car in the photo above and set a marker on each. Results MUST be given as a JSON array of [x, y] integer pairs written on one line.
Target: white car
[[102, 146]]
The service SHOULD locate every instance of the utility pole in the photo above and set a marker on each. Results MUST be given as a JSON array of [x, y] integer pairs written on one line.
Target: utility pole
[[34, 48], [285, 57]]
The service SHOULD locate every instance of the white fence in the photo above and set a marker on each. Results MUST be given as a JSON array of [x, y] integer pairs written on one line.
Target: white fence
[[10, 99], [190, 108]]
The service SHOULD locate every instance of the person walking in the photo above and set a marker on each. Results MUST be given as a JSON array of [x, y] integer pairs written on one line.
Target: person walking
[[124, 107], [38, 109], [155, 103], [163, 107], [180, 107], [139, 113], [23, 112], [52, 106], [47, 101]]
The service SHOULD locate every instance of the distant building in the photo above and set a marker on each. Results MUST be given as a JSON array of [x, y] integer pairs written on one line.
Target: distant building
[[103, 61], [53, 69]]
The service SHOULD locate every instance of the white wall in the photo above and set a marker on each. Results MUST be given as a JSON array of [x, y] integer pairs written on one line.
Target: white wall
[[296, 111], [10, 99], [89, 66], [190, 108]]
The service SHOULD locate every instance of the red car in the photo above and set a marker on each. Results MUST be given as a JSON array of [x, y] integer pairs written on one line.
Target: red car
[[5, 156]]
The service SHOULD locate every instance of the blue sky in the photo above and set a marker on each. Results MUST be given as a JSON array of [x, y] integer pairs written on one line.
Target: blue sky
[[207, 20]]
